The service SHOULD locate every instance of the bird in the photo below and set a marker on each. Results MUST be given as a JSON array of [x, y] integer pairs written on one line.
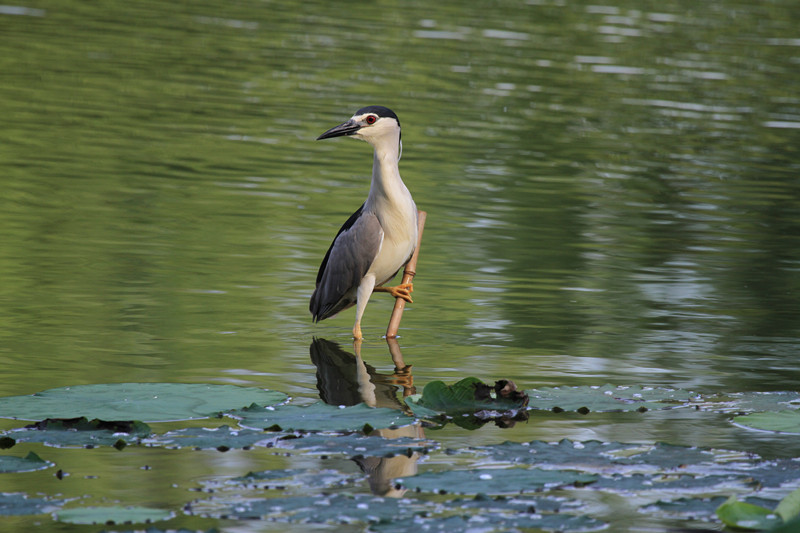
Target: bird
[[380, 237]]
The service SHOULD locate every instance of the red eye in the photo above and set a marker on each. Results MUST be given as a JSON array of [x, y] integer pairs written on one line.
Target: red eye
[[371, 119]]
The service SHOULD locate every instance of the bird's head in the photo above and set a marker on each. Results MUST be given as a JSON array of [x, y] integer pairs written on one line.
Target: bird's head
[[375, 124]]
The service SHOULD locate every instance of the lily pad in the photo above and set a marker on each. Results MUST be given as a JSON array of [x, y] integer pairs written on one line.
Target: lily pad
[[780, 421], [112, 515], [495, 481], [595, 455], [320, 417], [749, 402], [470, 395], [390, 514], [81, 432], [745, 515], [222, 438], [789, 507], [607, 398], [20, 504], [149, 402], [491, 522], [29, 463]]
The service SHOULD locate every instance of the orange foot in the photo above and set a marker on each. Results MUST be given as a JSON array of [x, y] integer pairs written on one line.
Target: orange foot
[[399, 291]]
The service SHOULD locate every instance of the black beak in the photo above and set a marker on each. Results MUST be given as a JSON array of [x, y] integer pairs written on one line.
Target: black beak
[[348, 128]]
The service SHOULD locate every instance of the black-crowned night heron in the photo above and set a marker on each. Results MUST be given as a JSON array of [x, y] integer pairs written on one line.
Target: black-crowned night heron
[[379, 238]]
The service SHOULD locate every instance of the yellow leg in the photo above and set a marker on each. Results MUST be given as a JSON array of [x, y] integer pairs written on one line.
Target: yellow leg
[[357, 332], [399, 291]]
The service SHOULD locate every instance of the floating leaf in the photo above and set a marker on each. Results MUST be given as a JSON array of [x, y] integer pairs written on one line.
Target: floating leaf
[[354, 445], [749, 402], [494, 481], [780, 421], [792, 526], [21, 504], [81, 432], [469, 395], [29, 463], [320, 417], [745, 515], [595, 455], [390, 514], [789, 507], [150, 402], [490, 522], [282, 478], [112, 515], [607, 398], [221, 438]]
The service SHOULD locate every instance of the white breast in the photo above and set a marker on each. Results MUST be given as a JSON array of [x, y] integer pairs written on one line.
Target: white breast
[[399, 223]]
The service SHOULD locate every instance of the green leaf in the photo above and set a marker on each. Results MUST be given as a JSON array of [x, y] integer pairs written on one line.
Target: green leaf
[[744, 515], [469, 395], [21, 504], [792, 526], [749, 402], [29, 463], [391, 514], [81, 432], [321, 417], [214, 438], [780, 421], [607, 398], [495, 481], [789, 507], [112, 515], [150, 402]]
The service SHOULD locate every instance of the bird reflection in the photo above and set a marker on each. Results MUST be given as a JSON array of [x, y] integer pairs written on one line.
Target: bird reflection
[[343, 378]]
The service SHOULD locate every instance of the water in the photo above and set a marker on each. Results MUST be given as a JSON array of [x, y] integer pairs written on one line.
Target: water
[[612, 194]]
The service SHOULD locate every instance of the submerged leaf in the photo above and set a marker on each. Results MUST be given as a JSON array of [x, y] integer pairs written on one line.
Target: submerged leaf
[[150, 402]]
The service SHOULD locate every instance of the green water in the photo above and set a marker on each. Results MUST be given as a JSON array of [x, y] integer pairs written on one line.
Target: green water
[[612, 194]]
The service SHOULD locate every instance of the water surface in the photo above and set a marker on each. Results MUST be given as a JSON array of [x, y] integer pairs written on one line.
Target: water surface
[[612, 194]]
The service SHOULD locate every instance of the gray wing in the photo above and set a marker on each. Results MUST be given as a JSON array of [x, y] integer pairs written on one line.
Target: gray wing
[[348, 259]]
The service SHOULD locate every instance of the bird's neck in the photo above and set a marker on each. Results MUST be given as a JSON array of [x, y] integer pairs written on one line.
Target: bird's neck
[[386, 182]]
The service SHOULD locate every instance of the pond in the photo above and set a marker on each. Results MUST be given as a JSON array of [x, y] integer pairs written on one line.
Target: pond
[[611, 191]]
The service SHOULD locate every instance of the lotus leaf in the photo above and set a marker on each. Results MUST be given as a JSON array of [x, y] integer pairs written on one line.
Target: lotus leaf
[[112, 515], [29, 463], [221, 438], [750, 402], [780, 421], [745, 515], [494, 481], [321, 417], [20, 504], [81, 432], [470, 395], [149, 402], [607, 398]]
